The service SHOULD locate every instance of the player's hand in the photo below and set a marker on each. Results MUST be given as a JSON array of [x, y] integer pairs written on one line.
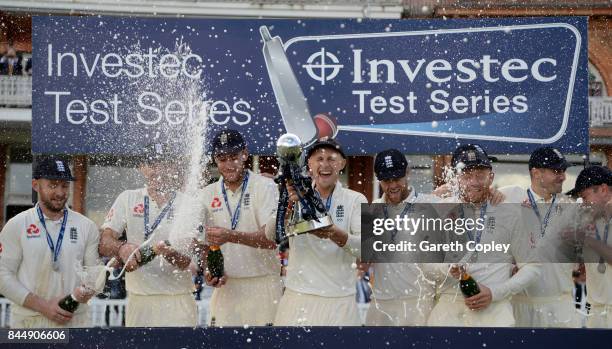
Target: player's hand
[[162, 249], [216, 236], [293, 197], [481, 300], [456, 270], [324, 233], [215, 282], [333, 233], [83, 294], [124, 253], [496, 196], [53, 312], [443, 191]]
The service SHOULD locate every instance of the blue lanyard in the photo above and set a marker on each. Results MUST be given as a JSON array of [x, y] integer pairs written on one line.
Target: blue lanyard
[[57, 247], [407, 209], [328, 201], [162, 214], [483, 210], [534, 207], [606, 231], [236, 216]]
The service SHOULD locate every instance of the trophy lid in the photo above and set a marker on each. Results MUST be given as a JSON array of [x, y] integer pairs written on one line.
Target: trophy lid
[[288, 148]]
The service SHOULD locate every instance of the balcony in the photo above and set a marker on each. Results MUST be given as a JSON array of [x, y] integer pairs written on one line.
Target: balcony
[[15, 91], [600, 111]]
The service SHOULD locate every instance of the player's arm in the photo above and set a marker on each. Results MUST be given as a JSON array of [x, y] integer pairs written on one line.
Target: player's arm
[[111, 246], [10, 286], [218, 236], [529, 268], [172, 256], [48, 308]]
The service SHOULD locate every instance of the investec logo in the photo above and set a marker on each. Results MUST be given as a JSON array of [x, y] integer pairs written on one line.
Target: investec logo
[[322, 66]]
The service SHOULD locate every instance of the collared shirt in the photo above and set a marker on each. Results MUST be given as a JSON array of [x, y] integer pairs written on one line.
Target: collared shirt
[[158, 277], [259, 202], [26, 259], [401, 280], [319, 266]]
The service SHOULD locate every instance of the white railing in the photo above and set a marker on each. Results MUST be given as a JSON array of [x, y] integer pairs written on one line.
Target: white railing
[[16, 91], [103, 312], [600, 111]]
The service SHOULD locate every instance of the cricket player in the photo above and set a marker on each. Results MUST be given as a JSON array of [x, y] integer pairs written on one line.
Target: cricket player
[[402, 294], [321, 274], [237, 208], [490, 307], [43, 249], [159, 292], [594, 186], [549, 302]]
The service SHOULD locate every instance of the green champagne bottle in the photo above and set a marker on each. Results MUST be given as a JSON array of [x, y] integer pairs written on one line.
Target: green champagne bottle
[[214, 261], [68, 303], [469, 286], [148, 253]]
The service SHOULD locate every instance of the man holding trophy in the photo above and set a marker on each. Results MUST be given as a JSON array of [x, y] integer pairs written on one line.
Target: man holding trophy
[[324, 232], [43, 250]]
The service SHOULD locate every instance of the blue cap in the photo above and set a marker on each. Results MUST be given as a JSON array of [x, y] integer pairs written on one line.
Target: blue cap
[[52, 168]]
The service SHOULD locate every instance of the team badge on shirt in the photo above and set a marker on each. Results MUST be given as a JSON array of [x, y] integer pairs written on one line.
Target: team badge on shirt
[[491, 224], [216, 204], [33, 231], [247, 199], [138, 210], [73, 235], [340, 213]]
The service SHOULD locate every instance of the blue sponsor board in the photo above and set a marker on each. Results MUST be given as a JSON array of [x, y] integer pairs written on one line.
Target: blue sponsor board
[[110, 85], [324, 337]]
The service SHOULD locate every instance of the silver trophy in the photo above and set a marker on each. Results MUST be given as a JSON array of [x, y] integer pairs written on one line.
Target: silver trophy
[[310, 213]]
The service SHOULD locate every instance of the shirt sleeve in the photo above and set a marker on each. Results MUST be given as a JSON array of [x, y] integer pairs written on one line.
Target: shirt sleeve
[[268, 201], [271, 228], [116, 219], [353, 243], [11, 255], [528, 272]]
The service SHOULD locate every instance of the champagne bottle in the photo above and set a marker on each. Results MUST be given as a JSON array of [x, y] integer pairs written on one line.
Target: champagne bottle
[[469, 286], [214, 261], [148, 253], [68, 303]]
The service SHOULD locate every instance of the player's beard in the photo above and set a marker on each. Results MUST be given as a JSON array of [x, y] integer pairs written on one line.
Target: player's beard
[[56, 206], [397, 197], [233, 177]]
